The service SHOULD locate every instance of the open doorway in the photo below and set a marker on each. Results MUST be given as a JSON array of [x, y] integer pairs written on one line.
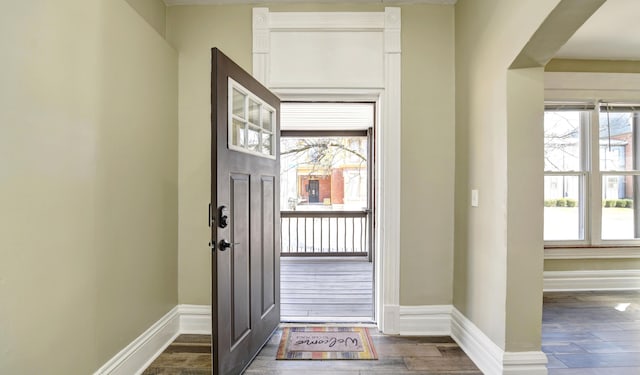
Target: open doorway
[[326, 195]]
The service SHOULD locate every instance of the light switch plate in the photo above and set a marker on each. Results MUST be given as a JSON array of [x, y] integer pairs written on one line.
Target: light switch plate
[[474, 198]]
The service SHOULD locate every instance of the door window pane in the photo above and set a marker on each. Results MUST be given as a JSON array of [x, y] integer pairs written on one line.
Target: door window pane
[[266, 143], [254, 112], [238, 133], [562, 208], [619, 212], [253, 139], [266, 119], [562, 141], [238, 103]]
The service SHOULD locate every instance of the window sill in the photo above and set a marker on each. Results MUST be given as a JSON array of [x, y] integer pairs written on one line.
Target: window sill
[[591, 252]]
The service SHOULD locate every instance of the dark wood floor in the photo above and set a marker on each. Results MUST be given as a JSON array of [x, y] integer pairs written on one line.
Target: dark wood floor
[[326, 289], [585, 333], [188, 355], [592, 333]]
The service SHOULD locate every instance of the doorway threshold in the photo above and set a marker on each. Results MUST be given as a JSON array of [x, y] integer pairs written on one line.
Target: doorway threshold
[[305, 320]]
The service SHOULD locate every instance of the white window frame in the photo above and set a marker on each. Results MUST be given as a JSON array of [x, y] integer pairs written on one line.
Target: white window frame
[[584, 176], [593, 87], [233, 85], [591, 186], [600, 175]]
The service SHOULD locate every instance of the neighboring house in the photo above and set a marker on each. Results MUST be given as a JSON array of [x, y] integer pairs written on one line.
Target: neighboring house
[[336, 180], [332, 184]]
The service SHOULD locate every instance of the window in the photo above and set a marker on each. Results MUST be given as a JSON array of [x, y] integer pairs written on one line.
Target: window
[[250, 122], [592, 174], [565, 174], [620, 172]]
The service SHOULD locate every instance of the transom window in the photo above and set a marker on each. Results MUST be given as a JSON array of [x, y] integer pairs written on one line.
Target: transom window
[[592, 174], [251, 122]]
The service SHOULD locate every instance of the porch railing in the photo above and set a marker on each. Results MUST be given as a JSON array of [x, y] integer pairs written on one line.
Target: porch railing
[[325, 233]]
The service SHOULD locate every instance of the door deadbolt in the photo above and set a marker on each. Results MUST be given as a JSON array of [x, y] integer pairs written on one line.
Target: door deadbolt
[[223, 216]]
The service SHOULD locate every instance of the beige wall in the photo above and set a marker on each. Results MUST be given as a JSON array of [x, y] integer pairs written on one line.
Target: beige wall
[[525, 98], [137, 169], [88, 183], [427, 113], [153, 11], [428, 155], [194, 31], [593, 66], [489, 36]]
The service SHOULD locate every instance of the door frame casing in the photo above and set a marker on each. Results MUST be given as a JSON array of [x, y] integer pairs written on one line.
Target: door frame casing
[[386, 93]]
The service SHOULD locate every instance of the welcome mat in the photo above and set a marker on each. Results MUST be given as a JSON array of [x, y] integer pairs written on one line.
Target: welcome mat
[[326, 343]]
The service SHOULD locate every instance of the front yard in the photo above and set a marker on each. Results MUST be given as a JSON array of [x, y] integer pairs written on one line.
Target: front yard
[[562, 223]]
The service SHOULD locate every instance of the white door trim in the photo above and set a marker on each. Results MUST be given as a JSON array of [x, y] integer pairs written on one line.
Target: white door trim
[[386, 93]]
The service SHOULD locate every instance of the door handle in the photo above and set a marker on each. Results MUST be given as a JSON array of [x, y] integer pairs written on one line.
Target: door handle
[[224, 245]]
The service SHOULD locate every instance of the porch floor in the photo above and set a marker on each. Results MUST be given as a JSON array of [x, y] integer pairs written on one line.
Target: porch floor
[[326, 289]]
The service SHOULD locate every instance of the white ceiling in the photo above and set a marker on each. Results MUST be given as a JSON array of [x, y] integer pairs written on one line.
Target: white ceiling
[[612, 33]]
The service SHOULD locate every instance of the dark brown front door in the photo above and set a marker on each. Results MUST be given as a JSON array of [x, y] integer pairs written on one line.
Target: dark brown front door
[[246, 218], [314, 191]]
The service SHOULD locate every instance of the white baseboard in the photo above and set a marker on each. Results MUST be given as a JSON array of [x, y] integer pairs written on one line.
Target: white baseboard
[[195, 319], [557, 281], [137, 356], [437, 320], [425, 320], [489, 357], [482, 351], [524, 363]]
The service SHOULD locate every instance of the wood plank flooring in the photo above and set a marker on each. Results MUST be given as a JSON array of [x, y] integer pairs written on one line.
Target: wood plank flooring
[[592, 333], [397, 356], [326, 289], [187, 355], [583, 333]]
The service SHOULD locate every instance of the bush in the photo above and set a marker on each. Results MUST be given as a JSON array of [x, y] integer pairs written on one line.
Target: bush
[[620, 203], [561, 203], [571, 202], [549, 202]]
